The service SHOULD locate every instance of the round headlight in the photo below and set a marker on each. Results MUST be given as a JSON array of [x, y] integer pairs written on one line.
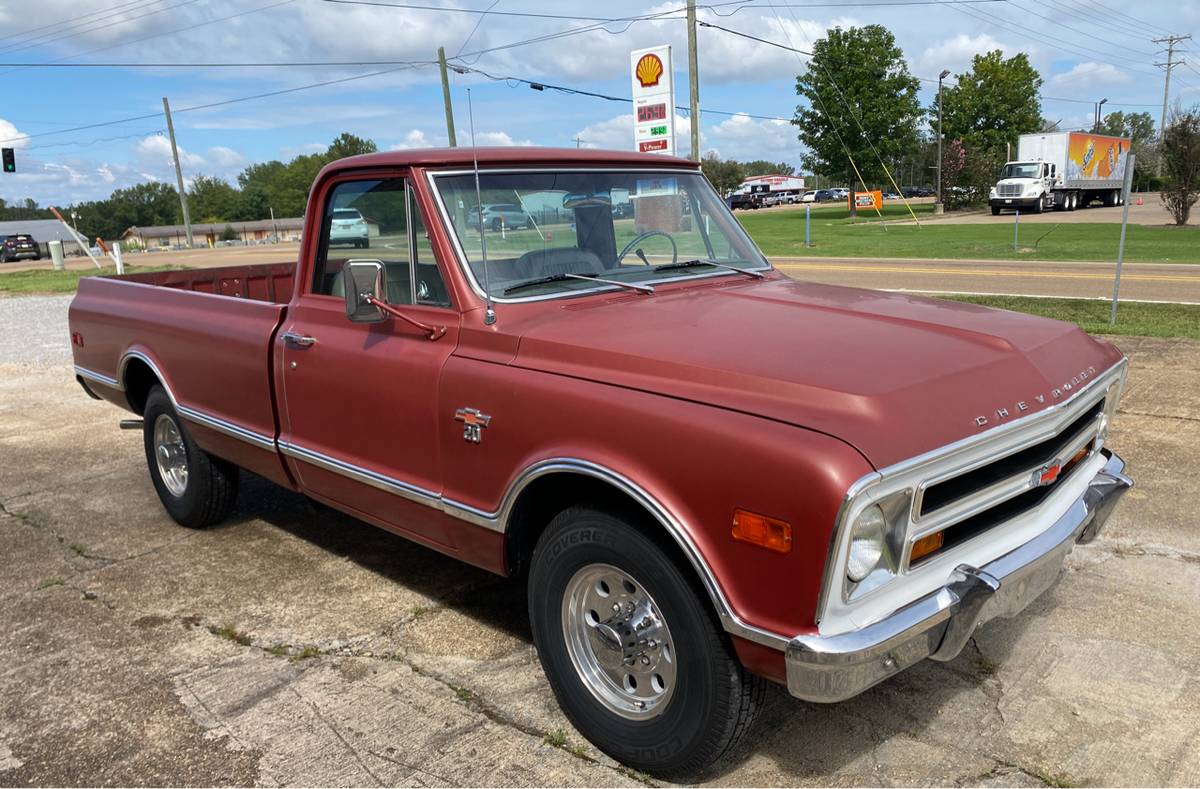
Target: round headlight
[[866, 543]]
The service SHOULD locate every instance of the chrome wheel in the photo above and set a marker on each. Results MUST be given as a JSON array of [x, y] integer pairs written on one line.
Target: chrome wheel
[[171, 455], [618, 641]]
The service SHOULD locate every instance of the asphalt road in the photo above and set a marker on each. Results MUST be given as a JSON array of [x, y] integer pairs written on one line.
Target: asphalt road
[[295, 646], [1176, 282]]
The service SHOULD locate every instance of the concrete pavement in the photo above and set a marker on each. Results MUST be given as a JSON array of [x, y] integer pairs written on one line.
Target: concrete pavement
[[295, 646]]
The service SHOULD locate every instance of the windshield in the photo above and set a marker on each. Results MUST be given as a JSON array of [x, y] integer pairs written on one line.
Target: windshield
[[1030, 170], [614, 225]]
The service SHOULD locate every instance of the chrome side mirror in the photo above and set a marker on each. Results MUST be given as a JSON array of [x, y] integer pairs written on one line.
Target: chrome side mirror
[[362, 279]]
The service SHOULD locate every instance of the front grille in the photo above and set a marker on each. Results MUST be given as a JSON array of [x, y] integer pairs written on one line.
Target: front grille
[[1009, 190], [1013, 474]]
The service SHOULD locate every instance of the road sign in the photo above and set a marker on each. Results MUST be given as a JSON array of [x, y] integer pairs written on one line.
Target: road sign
[[653, 100]]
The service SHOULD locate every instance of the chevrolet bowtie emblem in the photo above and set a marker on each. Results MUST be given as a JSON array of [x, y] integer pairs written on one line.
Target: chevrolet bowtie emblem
[[474, 421]]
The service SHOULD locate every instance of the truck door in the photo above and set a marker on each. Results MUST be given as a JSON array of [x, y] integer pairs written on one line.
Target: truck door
[[359, 422]]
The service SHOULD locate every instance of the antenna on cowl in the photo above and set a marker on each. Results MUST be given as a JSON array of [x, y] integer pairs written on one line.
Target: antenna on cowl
[[489, 316]]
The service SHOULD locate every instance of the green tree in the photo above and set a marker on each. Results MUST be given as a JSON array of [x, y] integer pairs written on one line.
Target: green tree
[[348, 144], [862, 104], [229, 234], [993, 103], [212, 199], [1181, 163], [1139, 128], [724, 174], [763, 167]]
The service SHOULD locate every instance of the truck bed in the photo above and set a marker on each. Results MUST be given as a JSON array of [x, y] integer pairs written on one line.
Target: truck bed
[[271, 282], [207, 334]]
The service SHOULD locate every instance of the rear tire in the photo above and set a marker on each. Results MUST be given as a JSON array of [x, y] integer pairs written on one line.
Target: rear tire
[[195, 488], [684, 701]]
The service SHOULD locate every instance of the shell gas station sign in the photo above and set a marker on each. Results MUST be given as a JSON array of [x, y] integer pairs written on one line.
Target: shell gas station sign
[[653, 100]]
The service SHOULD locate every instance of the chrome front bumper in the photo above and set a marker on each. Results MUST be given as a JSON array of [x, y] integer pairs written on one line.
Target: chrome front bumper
[[937, 626]]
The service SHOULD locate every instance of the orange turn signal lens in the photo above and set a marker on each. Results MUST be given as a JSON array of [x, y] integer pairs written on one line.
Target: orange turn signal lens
[[927, 545], [770, 533]]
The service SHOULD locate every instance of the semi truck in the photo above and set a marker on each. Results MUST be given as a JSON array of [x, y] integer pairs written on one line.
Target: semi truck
[[1061, 171]]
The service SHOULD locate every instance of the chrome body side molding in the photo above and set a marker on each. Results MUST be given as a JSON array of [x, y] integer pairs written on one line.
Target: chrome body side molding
[[100, 378]]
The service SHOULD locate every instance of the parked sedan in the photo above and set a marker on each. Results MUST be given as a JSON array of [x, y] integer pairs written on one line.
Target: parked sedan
[[18, 246]]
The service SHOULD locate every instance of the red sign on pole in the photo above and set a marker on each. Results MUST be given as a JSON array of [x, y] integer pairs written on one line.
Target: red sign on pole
[[652, 145]]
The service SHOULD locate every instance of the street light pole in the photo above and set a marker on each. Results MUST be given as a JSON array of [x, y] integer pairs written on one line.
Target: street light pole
[[1099, 105], [939, 207]]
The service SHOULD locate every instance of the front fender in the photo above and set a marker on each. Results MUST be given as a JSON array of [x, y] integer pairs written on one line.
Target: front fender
[[689, 464]]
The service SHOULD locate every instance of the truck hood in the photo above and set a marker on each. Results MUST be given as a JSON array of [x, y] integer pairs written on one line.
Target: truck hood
[[893, 375]]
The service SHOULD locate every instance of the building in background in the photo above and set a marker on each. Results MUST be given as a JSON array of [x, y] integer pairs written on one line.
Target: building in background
[[208, 234], [762, 184]]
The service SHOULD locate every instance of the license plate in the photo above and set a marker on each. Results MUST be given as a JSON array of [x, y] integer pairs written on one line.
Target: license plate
[[1008, 201]]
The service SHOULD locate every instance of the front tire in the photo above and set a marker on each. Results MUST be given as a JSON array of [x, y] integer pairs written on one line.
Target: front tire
[[644, 672], [195, 488]]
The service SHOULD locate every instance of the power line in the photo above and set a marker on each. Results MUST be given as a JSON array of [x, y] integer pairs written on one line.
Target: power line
[[917, 76], [50, 38], [578, 18], [186, 28], [88, 143], [77, 18], [1062, 7], [1081, 32], [1152, 29], [1004, 24], [211, 105]]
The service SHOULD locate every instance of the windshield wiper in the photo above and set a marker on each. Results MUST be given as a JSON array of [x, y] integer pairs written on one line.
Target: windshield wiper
[[589, 276], [708, 262]]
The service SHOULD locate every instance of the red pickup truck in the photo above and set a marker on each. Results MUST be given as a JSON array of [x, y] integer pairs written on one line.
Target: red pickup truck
[[708, 473]]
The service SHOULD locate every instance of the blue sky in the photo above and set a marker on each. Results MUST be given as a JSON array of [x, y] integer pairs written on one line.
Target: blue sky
[[1085, 50]]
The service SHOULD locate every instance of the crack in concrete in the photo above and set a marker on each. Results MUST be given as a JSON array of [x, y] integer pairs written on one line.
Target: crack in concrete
[[991, 686], [334, 730], [1159, 416], [463, 694], [1128, 549]]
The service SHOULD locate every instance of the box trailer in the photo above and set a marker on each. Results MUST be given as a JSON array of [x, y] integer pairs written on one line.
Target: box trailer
[[1062, 171]]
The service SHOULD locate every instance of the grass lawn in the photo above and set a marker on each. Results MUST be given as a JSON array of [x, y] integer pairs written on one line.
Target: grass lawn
[[834, 234], [49, 281], [1133, 318]]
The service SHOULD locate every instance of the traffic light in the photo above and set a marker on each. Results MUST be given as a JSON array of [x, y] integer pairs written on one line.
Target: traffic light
[[10, 161]]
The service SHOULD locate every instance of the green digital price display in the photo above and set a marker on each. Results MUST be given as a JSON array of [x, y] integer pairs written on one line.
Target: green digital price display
[[658, 131]]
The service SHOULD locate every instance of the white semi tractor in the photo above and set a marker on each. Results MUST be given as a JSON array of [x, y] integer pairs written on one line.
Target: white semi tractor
[[1061, 171]]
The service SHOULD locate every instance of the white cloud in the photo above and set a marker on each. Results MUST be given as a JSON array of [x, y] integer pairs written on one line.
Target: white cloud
[[616, 134], [499, 139], [957, 52], [1090, 76], [153, 153], [8, 131], [745, 138]]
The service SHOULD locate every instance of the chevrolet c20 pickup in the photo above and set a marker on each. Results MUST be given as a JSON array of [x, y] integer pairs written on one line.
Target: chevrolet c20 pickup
[[707, 474]]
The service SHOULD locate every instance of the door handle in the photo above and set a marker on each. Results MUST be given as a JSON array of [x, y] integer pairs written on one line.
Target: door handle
[[298, 340]]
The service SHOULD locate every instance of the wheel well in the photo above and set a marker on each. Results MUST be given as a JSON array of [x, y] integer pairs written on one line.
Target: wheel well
[[547, 496], [139, 379]]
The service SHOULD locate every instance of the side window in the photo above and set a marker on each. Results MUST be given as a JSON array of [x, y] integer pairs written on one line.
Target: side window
[[372, 220], [430, 287]]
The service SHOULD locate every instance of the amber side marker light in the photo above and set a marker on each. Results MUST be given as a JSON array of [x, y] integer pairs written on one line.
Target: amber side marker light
[[927, 545], [770, 533]]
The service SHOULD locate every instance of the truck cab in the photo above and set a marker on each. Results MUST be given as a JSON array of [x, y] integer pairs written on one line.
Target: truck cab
[[1024, 186]]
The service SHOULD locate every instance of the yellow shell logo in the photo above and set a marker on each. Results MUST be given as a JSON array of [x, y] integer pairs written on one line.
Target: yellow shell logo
[[649, 70]]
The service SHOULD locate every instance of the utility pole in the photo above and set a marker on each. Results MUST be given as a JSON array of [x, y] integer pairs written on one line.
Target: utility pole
[[187, 220], [446, 97], [693, 80], [939, 208], [579, 142], [1170, 41]]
